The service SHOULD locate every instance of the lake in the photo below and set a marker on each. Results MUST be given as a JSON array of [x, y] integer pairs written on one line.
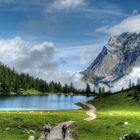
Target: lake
[[42, 102]]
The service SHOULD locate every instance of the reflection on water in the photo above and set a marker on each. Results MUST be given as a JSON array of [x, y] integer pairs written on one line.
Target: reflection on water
[[45, 102]]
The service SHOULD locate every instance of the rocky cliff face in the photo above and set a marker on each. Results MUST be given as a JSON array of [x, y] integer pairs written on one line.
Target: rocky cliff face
[[117, 59]]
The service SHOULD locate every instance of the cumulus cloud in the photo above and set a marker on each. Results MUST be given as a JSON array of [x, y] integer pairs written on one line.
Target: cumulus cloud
[[28, 57], [67, 4], [124, 82], [84, 54], [130, 24], [87, 55], [68, 77]]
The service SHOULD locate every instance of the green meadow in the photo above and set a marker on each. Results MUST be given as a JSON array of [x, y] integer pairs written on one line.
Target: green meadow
[[23, 124], [112, 114]]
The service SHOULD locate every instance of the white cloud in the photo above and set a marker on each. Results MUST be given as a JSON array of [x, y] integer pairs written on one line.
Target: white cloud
[[130, 24], [68, 77], [84, 54], [24, 55], [124, 82], [135, 11], [67, 4], [104, 12], [102, 29], [88, 54]]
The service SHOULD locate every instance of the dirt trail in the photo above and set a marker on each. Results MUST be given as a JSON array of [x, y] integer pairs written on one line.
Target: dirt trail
[[90, 112], [56, 132]]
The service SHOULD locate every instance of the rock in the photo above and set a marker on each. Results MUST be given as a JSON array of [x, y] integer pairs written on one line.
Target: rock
[[31, 112], [31, 138], [19, 127], [125, 123], [117, 59], [7, 128]]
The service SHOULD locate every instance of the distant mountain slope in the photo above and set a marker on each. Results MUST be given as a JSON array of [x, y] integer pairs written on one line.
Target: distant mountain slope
[[117, 59]]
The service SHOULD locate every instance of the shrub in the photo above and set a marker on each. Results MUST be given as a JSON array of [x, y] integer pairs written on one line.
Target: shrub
[[131, 136]]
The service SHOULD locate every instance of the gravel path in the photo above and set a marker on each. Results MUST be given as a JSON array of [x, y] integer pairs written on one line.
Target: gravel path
[[56, 132], [91, 112]]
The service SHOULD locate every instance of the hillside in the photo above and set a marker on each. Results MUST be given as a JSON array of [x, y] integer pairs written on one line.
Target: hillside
[[117, 115]]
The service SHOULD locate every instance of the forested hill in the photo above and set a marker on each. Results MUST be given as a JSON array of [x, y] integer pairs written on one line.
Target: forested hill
[[13, 82]]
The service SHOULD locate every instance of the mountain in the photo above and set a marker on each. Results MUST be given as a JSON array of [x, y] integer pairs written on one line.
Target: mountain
[[117, 59]]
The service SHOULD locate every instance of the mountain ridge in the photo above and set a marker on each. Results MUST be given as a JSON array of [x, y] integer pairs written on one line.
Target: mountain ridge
[[117, 59]]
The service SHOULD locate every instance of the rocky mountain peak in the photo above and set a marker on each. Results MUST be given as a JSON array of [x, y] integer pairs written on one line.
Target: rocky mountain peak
[[117, 59], [125, 40]]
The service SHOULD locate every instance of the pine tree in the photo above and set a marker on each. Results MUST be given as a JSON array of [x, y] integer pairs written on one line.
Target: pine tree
[[88, 89], [11, 81], [130, 83], [138, 81]]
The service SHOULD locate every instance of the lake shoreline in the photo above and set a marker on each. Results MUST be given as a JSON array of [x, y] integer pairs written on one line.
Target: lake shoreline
[[44, 94]]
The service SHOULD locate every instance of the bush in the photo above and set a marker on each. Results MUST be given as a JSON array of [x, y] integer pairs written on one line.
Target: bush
[[131, 136]]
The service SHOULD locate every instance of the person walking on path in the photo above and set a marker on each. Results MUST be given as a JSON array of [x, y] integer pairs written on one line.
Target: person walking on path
[[47, 130], [64, 130]]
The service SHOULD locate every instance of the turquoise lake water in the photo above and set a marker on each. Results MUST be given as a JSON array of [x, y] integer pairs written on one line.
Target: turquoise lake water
[[44, 102]]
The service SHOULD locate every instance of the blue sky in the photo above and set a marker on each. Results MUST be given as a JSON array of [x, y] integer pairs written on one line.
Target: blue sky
[[70, 26], [76, 29]]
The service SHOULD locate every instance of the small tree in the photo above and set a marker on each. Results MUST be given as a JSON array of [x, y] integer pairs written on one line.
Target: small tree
[[101, 92], [94, 91], [71, 87], [88, 89], [138, 81], [133, 84], [130, 83], [5, 89]]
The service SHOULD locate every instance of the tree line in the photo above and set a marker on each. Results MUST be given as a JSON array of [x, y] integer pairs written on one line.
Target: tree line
[[11, 81]]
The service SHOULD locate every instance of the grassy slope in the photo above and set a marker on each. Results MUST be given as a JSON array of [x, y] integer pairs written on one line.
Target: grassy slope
[[105, 127], [112, 112]]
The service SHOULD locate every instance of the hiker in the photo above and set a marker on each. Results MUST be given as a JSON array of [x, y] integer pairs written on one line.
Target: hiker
[[47, 129], [64, 130]]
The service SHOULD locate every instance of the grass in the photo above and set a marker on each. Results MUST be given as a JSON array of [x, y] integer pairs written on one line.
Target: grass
[[22, 124], [31, 92], [112, 112]]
